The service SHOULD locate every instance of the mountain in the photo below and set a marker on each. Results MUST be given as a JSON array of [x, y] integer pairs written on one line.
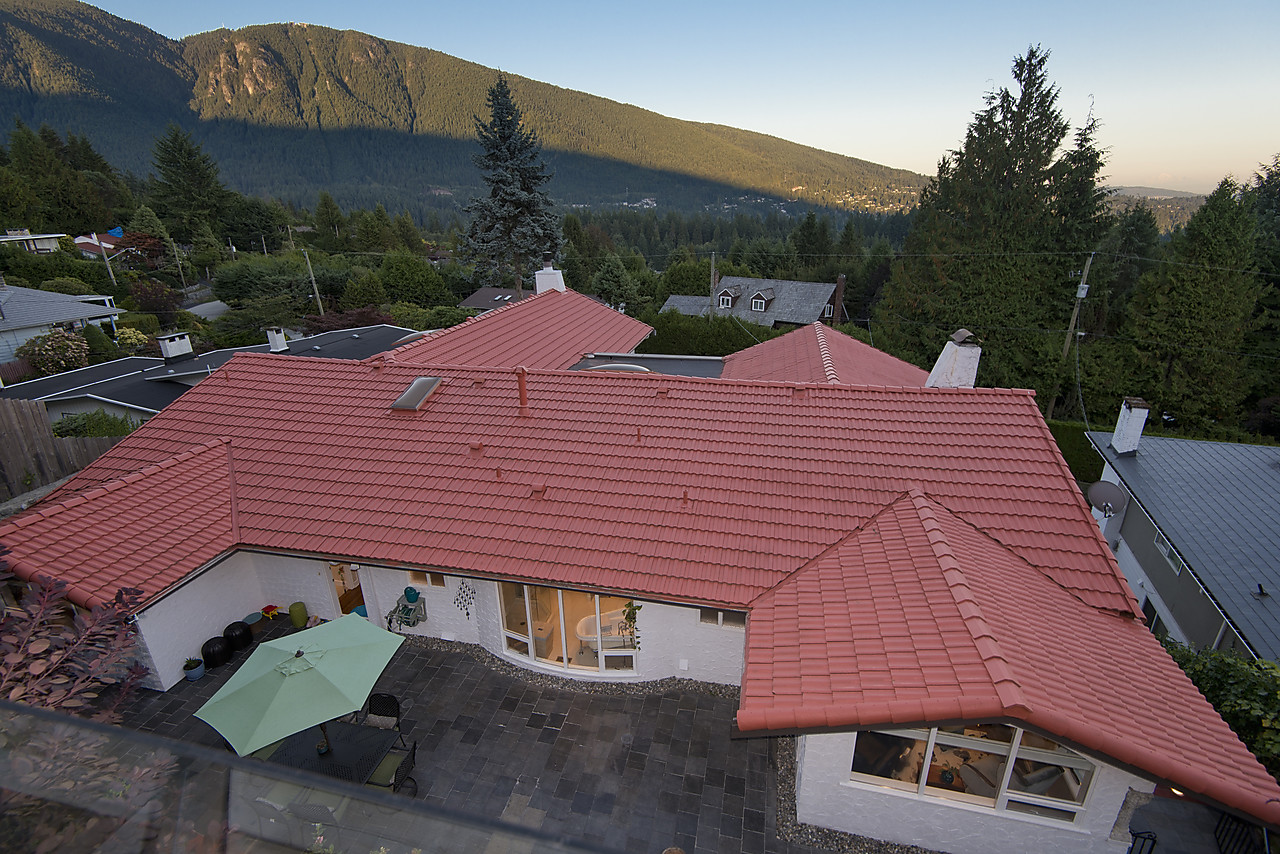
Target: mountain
[[288, 110], [1156, 193]]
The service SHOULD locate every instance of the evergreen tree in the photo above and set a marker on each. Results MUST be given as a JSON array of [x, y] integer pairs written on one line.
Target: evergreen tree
[[513, 225], [367, 290], [145, 221], [329, 221], [406, 232], [187, 190], [410, 278], [999, 232], [1189, 319], [614, 285]]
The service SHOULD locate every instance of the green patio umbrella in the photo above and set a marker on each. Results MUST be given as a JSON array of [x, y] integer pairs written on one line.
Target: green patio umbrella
[[295, 682]]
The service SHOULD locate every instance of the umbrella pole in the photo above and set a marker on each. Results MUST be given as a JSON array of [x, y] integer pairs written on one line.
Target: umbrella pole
[[323, 746]]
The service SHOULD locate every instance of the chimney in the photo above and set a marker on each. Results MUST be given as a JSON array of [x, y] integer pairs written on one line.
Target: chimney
[[957, 366], [275, 338], [837, 302], [548, 278], [1128, 432], [175, 347]]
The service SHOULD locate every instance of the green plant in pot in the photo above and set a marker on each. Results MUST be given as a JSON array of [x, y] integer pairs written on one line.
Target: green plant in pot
[[193, 668]]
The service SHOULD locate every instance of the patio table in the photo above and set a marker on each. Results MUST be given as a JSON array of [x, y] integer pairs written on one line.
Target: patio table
[[354, 750]]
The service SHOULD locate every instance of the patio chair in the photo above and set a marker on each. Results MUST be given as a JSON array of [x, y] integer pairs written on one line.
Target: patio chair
[[395, 769], [383, 711]]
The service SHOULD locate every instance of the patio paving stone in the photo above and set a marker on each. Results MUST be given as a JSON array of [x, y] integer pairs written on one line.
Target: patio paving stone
[[634, 772]]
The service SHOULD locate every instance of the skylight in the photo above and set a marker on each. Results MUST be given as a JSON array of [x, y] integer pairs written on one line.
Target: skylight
[[416, 394]]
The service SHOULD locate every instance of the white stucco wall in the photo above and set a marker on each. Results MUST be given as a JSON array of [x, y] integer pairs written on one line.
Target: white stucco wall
[[174, 628], [672, 640], [826, 797]]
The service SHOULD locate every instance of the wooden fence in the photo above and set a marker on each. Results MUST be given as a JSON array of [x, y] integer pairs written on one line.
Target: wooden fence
[[31, 456]]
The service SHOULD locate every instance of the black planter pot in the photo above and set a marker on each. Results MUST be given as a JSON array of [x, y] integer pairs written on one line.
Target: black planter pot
[[215, 652], [239, 635]]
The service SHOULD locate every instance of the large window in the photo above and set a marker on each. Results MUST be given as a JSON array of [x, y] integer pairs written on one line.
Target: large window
[[1162, 546], [567, 628], [994, 765]]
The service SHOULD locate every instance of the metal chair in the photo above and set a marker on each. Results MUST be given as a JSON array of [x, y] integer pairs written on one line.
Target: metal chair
[[383, 711], [395, 769]]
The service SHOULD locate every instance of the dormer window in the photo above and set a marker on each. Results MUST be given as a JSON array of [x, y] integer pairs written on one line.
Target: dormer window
[[760, 299], [757, 303], [726, 301]]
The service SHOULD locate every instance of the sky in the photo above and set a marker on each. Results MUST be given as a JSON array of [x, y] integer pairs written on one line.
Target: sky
[[1186, 92]]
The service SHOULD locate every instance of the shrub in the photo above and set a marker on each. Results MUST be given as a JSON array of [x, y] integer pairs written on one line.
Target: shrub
[[55, 352], [96, 423], [314, 324], [1246, 693], [131, 340], [101, 347], [62, 285], [148, 323]]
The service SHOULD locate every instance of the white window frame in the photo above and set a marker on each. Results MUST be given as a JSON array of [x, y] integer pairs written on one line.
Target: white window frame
[[604, 655], [726, 301], [828, 310], [758, 303], [1013, 751], [1170, 553]]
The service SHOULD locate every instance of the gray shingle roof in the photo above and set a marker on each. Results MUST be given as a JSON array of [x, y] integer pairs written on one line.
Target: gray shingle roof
[[1219, 504], [800, 303], [25, 308]]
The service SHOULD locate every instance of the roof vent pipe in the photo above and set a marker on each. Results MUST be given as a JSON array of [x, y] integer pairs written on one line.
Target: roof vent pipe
[[523, 385], [957, 365], [1128, 432], [276, 340]]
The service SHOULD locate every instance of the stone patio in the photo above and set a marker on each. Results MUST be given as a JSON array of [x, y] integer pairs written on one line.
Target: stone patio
[[619, 768]]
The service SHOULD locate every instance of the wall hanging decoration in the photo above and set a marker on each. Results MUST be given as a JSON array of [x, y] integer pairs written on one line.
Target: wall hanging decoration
[[466, 598]]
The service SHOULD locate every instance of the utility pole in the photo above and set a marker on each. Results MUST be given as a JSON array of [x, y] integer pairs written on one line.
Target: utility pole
[[711, 305], [1082, 291], [106, 260], [315, 290], [173, 247]]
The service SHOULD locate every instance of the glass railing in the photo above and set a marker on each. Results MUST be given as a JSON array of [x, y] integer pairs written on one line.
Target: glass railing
[[71, 785]]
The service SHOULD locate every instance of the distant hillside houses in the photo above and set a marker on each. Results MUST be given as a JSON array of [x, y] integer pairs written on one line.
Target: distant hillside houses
[[777, 303]]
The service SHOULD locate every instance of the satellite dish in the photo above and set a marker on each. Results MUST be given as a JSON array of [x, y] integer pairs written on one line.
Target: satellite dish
[[1107, 497]]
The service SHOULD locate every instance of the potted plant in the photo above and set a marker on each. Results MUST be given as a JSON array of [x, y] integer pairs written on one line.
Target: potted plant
[[193, 668]]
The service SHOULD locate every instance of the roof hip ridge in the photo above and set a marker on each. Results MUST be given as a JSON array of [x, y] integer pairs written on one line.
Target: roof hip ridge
[[824, 352], [1003, 679]]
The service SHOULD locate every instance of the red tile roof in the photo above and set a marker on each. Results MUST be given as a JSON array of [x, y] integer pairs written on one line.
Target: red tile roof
[[681, 489], [149, 529], [819, 354], [550, 330], [920, 617], [696, 489]]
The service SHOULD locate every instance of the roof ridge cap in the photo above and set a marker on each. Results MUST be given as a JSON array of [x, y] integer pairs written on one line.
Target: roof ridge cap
[[824, 352], [441, 333], [1003, 679]]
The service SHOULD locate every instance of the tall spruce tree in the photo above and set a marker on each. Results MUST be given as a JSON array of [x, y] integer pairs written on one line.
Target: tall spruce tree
[[187, 190], [999, 232], [1189, 319], [513, 225]]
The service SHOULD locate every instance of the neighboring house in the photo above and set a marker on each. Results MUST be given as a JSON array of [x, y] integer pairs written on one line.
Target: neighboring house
[[768, 302], [1199, 535], [36, 244], [26, 313], [487, 299], [138, 387], [813, 353], [905, 578], [91, 245]]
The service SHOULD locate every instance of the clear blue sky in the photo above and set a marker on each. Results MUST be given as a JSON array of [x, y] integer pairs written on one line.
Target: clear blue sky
[[1186, 91]]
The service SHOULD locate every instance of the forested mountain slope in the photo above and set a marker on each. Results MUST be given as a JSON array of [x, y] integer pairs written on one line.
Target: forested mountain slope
[[289, 109]]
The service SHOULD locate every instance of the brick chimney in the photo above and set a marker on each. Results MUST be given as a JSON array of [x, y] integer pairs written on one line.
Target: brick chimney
[[1128, 432], [548, 278], [837, 301], [957, 365], [175, 347]]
